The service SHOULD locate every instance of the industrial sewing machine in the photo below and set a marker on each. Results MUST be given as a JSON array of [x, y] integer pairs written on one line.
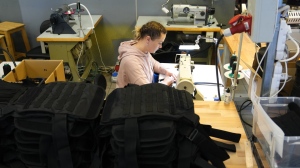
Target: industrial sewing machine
[[185, 14], [59, 20], [184, 79]]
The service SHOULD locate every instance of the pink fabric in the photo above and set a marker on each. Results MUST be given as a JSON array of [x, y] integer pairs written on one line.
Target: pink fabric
[[136, 67]]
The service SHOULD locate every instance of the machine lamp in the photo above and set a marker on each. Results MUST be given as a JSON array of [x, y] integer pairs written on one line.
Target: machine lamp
[[189, 47], [164, 9]]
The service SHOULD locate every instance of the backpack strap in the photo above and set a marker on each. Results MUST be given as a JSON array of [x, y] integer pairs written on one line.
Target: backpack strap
[[230, 136], [208, 149], [60, 134], [131, 134], [199, 162], [228, 147], [185, 150]]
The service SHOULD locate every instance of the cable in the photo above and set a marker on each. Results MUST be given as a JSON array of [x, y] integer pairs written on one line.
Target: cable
[[220, 63], [207, 83], [255, 74], [285, 10], [11, 57], [285, 63], [256, 55], [165, 3], [217, 74], [297, 51], [87, 12], [100, 55], [242, 108], [79, 55], [94, 32], [275, 94]]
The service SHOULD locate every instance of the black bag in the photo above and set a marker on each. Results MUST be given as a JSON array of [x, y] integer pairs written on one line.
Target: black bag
[[167, 54], [154, 125], [55, 125]]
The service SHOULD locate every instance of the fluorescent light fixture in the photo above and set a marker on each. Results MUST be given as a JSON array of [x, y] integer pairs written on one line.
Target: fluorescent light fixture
[[189, 47]]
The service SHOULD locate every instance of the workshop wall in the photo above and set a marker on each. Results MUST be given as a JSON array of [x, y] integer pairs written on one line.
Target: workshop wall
[[119, 18]]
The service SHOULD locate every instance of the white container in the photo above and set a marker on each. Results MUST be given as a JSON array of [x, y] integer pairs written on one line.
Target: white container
[[280, 150], [114, 76]]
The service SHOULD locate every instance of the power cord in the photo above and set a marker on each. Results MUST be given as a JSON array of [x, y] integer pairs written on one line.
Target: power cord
[[241, 109], [11, 57], [216, 63]]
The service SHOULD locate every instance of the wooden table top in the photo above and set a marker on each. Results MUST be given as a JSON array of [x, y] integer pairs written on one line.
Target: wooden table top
[[225, 117], [7, 26], [86, 25]]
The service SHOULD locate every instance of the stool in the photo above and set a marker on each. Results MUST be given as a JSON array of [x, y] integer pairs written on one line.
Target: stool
[[3, 46], [8, 28]]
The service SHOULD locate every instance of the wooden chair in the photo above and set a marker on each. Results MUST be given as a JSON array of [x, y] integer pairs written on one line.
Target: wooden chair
[[36, 52], [3, 46]]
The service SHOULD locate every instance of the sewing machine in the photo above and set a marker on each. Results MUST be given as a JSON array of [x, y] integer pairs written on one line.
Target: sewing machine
[[60, 20], [185, 14], [184, 78]]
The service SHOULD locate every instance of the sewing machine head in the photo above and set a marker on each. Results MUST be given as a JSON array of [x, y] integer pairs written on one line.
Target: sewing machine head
[[190, 14], [65, 12], [184, 78], [59, 20]]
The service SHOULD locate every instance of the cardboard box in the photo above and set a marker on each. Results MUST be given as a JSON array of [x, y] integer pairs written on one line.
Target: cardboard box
[[279, 149], [50, 70]]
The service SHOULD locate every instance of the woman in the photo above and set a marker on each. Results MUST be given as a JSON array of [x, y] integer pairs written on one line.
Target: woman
[[137, 66]]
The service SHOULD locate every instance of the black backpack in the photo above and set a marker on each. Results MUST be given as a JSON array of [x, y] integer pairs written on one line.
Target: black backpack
[[53, 125], [154, 125]]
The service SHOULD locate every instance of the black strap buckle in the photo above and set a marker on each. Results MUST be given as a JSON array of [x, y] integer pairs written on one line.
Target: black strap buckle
[[193, 134]]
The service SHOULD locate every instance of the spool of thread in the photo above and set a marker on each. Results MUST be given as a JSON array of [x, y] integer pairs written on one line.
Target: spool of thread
[[233, 58], [233, 67], [6, 69], [227, 96]]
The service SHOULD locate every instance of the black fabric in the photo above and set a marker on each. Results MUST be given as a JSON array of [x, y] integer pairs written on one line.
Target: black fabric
[[53, 125], [230, 136], [290, 121], [9, 91], [167, 53], [154, 125]]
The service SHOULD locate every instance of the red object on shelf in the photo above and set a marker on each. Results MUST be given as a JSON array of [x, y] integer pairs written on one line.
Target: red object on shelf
[[239, 23]]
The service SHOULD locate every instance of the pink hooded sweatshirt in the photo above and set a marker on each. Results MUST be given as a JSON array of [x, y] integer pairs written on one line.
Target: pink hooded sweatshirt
[[136, 67]]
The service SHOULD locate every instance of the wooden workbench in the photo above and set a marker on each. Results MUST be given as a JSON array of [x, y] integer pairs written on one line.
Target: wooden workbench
[[225, 117], [61, 45], [184, 28]]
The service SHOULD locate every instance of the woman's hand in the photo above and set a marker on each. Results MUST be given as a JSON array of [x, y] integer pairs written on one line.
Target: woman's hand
[[171, 75], [169, 80]]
